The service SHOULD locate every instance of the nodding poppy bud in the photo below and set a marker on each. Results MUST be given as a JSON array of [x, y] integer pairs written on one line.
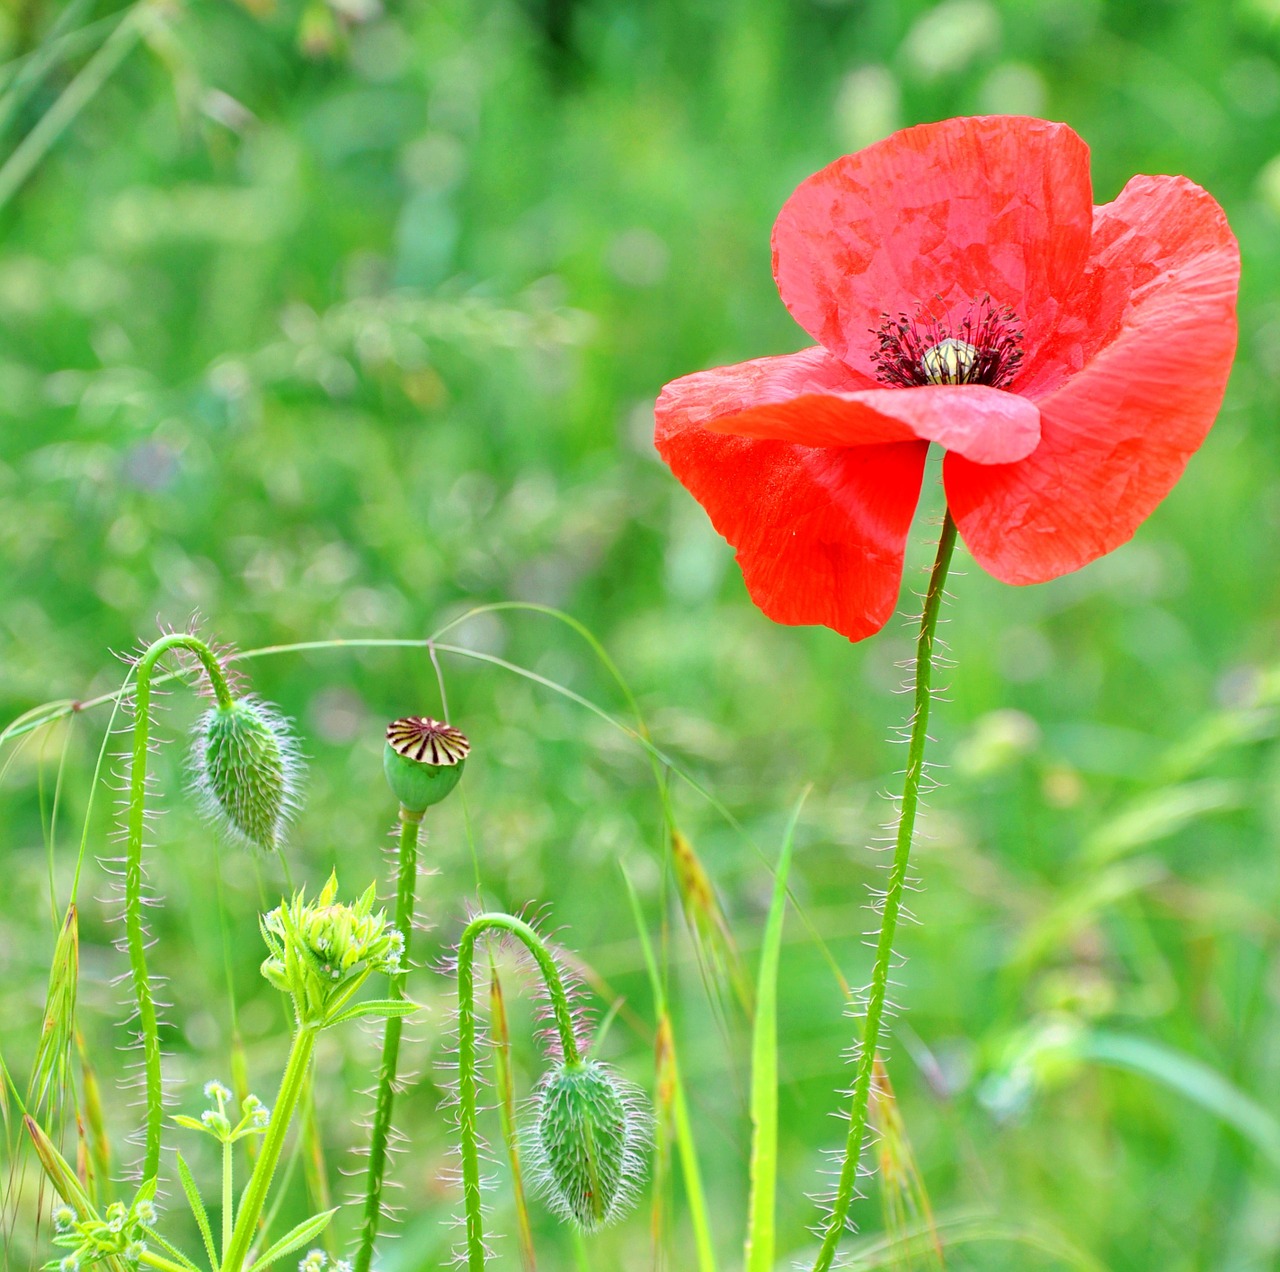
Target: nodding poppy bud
[[588, 1143], [423, 760], [247, 770]]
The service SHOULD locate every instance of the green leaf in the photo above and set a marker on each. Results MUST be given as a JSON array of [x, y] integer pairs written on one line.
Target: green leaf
[[1189, 1077], [295, 1237], [197, 1209], [759, 1249], [375, 1007], [191, 1123], [1160, 814]]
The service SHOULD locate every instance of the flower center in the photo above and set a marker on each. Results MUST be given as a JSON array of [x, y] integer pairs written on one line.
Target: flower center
[[982, 347]]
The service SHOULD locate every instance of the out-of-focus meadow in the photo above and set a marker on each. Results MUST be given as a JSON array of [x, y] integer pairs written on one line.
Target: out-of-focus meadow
[[337, 320]]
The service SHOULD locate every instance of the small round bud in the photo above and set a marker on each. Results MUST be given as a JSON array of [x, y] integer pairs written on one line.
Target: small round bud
[[215, 1090], [247, 770], [315, 1261], [63, 1217], [423, 760], [145, 1212], [588, 1143]]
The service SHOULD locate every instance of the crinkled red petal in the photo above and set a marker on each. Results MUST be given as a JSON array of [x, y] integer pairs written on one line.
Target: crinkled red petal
[[987, 425], [1155, 328], [820, 533], [940, 214]]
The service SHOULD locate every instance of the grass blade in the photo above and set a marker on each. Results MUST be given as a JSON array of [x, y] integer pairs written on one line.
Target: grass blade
[[669, 1066], [1189, 1077], [761, 1206]]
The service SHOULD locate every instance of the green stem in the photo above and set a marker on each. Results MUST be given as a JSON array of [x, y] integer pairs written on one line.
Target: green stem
[[410, 823], [228, 1196], [135, 935], [860, 1099], [467, 1066], [255, 1194]]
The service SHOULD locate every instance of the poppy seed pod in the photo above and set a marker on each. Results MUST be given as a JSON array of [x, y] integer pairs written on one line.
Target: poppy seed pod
[[247, 770], [423, 760], [588, 1142]]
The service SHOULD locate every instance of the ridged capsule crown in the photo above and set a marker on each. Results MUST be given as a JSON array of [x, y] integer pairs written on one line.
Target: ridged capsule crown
[[247, 770], [588, 1143], [423, 760]]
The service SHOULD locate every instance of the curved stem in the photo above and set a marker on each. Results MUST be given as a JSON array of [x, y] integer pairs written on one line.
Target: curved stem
[[407, 881], [264, 1169], [135, 935], [860, 1099], [467, 1066]]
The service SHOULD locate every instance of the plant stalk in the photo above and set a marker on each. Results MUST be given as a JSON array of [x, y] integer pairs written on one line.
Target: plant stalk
[[406, 886], [873, 1020], [135, 936], [255, 1194], [467, 1064]]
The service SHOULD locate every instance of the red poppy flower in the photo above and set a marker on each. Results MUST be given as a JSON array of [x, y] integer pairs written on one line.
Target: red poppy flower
[[963, 290]]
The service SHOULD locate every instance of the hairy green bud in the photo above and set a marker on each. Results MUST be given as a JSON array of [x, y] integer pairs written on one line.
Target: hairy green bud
[[588, 1143], [247, 770], [423, 760]]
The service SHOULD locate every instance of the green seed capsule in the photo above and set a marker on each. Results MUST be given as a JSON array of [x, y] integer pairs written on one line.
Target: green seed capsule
[[423, 760], [588, 1143], [247, 770]]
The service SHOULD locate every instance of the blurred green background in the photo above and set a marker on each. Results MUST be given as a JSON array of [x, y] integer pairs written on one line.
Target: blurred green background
[[339, 319]]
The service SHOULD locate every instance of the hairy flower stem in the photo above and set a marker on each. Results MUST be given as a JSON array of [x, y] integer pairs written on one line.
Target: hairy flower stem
[[254, 1198], [860, 1099], [406, 886], [467, 1063], [135, 937]]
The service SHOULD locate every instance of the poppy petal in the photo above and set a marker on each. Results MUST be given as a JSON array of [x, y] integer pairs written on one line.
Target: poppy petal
[[986, 425], [1161, 291], [820, 534], [944, 213]]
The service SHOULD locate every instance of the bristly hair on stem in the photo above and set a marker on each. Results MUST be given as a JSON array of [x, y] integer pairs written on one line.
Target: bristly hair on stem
[[891, 904]]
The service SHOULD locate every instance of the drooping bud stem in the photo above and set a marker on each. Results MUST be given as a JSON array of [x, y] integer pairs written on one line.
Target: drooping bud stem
[[135, 937], [467, 1061]]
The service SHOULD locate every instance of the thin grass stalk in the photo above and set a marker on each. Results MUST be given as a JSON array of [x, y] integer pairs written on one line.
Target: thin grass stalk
[[926, 641], [668, 1062], [406, 887], [135, 936], [468, 1098], [507, 1113]]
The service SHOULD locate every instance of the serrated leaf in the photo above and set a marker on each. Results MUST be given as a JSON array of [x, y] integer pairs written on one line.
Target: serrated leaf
[[295, 1237], [375, 1007], [198, 1210]]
